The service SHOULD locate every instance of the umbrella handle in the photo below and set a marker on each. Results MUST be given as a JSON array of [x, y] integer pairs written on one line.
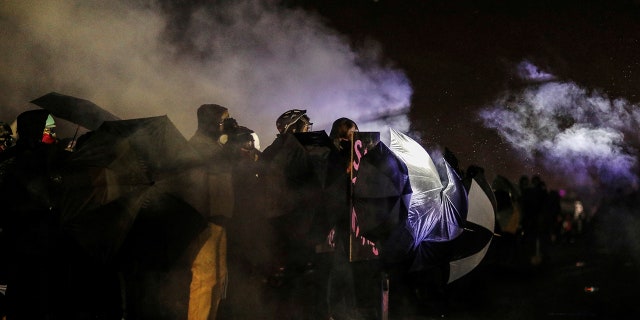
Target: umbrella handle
[[72, 144]]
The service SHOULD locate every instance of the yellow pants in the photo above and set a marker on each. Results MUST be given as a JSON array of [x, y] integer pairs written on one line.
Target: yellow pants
[[209, 274]]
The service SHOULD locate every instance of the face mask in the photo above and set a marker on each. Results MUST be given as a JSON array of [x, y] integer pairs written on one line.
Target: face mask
[[345, 145]]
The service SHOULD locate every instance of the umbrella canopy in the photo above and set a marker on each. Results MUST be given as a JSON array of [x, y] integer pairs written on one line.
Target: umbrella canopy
[[438, 204], [471, 246], [381, 193], [76, 110], [122, 168]]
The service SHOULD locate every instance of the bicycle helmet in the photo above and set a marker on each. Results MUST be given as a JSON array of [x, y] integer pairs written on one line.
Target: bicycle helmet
[[288, 118]]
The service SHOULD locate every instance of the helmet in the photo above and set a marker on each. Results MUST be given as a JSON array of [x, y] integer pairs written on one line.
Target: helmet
[[289, 118]]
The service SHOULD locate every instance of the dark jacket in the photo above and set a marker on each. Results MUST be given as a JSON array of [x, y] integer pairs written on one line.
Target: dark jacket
[[28, 179]]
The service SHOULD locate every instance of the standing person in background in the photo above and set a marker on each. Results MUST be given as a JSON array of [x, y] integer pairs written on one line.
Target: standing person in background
[[534, 199], [554, 215]]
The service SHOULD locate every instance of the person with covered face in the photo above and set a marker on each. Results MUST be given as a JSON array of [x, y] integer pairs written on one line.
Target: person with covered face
[[285, 170]]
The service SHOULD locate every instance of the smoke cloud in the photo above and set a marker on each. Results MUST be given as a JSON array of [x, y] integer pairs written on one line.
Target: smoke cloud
[[139, 59], [580, 134]]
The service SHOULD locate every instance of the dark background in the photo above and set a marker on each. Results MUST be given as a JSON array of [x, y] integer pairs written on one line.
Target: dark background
[[461, 55]]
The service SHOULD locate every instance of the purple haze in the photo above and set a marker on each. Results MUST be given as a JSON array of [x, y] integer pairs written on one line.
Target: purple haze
[[580, 134]]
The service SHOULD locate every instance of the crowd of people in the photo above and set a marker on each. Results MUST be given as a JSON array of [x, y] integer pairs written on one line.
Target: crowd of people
[[271, 240], [530, 218], [271, 245]]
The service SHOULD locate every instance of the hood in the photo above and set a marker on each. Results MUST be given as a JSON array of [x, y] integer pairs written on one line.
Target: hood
[[31, 124], [210, 118]]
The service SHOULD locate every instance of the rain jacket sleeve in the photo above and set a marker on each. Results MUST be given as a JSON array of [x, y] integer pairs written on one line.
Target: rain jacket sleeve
[[209, 274]]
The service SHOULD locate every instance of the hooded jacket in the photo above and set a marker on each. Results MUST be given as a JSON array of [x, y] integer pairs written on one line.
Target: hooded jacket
[[28, 169], [213, 196], [31, 124], [209, 120]]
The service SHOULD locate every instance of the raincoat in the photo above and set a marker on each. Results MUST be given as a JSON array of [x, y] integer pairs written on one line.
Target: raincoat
[[214, 173], [209, 274]]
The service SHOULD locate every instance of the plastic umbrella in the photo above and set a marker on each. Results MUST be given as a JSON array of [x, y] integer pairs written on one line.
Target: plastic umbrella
[[76, 110], [438, 204], [450, 224]]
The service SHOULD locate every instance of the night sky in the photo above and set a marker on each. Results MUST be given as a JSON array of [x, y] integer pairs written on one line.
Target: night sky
[[461, 55]]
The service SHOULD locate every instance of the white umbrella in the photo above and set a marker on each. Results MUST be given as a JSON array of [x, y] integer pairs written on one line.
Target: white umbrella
[[438, 205], [476, 239]]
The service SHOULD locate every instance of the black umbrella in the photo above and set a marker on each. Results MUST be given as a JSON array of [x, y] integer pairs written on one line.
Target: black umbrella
[[76, 110], [120, 170], [381, 193]]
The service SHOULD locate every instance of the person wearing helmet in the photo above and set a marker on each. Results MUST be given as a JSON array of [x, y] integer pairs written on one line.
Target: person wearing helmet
[[289, 194], [293, 121]]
